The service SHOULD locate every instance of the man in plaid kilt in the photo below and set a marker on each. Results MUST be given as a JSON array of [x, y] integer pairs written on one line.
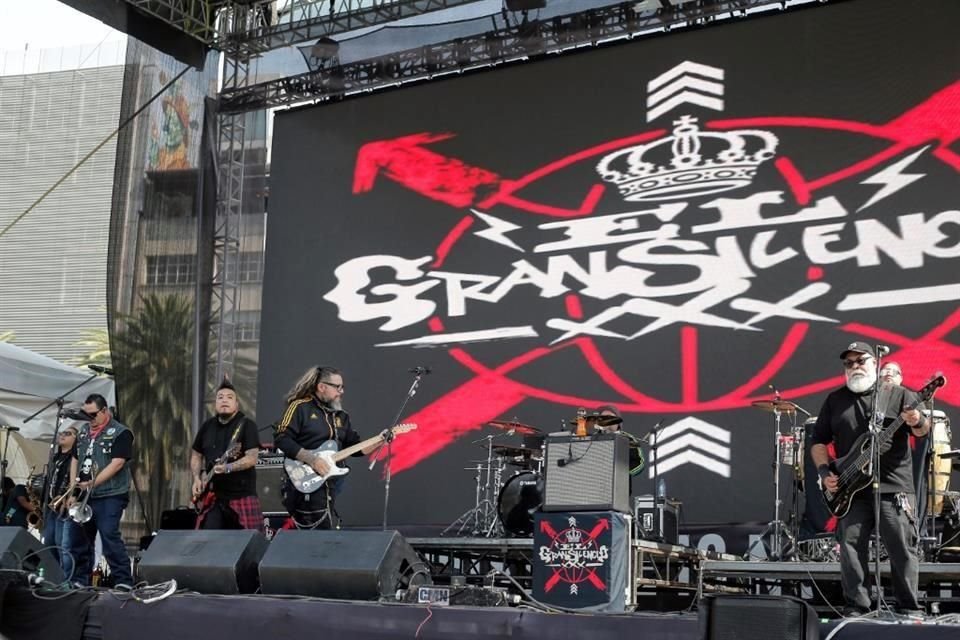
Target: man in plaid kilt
[[225, 450]]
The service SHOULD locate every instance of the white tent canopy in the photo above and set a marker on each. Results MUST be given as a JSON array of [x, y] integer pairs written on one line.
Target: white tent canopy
[[28, 381]]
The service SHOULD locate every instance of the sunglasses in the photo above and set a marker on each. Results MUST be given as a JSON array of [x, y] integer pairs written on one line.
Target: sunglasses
[[850, 364]]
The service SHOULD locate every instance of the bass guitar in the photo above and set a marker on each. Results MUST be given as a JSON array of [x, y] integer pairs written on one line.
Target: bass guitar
[[303, 477], [205, 498], [853, 470]]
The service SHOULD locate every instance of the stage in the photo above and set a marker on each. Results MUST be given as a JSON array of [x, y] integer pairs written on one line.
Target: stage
[[114, 616]]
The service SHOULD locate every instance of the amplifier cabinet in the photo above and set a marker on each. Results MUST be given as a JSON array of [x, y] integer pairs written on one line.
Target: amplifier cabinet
[[587, 473]]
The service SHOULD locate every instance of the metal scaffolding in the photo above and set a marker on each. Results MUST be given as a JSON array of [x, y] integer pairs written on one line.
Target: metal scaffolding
[[511, 44]]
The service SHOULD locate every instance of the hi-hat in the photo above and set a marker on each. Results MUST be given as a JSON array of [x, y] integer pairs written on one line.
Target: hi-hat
[[775, 406], [516, 427]]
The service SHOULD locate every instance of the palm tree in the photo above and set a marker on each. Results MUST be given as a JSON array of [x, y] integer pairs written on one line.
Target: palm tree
[[152, 356], [97, 342]]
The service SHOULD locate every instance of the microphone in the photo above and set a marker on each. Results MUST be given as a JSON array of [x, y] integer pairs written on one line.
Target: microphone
[[420, 371], [650, 433], [882, 350], [562, 462], [10, 428], [104, 370], [74, 414]]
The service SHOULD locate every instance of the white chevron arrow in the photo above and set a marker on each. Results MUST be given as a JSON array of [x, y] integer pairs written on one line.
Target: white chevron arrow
[[685, 97], [685, 82], [693, 457], [693, 68], [693, 424], [692, 441], [689, 77]]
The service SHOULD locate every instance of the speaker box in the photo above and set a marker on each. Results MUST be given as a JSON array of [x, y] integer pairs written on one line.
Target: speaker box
[[587, 473], [20, 551], [745, 617], [205, 561], [269, 477], [353, 565]]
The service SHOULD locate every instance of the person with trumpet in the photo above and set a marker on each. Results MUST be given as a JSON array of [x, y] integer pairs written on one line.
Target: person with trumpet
[[104, 484], [60, 484]]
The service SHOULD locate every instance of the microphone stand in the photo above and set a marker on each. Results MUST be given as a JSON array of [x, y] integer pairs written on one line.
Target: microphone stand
[[388, 442], [54, 444], [875, 425]]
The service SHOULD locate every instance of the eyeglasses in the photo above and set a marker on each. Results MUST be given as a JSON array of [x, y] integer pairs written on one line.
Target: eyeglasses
[[94, 414], [68, 433], [338, 387], [850, 364]]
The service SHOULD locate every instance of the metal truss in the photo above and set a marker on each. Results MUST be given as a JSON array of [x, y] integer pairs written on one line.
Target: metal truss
[[516, 43], [308, 19], [231, 146]]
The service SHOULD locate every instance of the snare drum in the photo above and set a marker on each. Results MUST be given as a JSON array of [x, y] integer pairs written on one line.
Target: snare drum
[[940, 468]]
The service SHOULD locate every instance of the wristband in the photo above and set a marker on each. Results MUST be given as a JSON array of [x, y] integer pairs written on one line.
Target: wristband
[[823, 471]]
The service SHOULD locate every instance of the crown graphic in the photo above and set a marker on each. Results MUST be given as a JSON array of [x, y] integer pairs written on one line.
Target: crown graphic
[[688, 163], [574, 535]]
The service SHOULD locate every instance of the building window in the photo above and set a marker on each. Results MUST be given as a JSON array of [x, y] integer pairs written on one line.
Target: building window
[[248, 326], [171, 270], [251, 267]]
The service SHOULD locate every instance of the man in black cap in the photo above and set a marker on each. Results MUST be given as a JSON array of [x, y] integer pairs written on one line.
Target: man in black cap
[[843, 418], [637, 461]]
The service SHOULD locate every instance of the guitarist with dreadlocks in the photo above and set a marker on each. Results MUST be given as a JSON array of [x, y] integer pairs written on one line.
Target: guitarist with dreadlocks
[[222, 464]]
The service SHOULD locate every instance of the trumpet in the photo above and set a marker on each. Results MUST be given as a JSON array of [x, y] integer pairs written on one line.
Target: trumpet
[[80, 512]]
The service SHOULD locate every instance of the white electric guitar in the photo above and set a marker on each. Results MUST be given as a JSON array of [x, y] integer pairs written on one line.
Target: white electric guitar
[[306, 480]]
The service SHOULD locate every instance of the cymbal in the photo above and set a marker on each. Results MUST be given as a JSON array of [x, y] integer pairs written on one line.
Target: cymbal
[[508, 450], [516, 427], [600, 421], [775, 406]]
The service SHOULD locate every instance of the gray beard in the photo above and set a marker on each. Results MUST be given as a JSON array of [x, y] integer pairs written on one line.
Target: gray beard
[[860, 384], [336, 405]]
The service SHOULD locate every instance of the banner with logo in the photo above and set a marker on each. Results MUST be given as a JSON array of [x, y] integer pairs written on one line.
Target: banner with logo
[[680, 227]]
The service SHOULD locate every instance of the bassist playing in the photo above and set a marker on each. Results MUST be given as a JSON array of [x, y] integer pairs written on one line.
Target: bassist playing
[[222, 464], [845, 417]]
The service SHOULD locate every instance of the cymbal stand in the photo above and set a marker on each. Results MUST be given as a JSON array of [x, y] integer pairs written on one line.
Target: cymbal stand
[[776, 528], [482, 520]]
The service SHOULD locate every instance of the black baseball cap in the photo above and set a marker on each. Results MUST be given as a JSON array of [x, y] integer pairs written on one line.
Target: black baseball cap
[[858, 347]]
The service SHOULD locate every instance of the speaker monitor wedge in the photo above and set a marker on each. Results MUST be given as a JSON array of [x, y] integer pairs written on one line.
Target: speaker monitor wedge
[[20, 551], [355, 565], [744, 617], [223, 562]]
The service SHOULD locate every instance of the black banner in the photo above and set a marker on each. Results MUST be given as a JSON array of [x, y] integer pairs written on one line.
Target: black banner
[[677, 226]]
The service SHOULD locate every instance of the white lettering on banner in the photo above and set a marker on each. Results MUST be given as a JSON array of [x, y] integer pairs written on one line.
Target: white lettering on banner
[[651, 274], [406, 307], [595, 231]]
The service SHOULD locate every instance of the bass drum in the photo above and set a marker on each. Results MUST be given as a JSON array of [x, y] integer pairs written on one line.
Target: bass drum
[[519, 499], [940, 467]]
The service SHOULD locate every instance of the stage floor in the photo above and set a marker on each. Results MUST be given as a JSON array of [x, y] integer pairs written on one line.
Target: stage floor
[[196, 617]]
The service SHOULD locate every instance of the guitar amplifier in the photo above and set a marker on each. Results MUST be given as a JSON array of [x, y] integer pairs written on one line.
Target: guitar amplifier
[[587, 473], [269, 476], [660, 522]]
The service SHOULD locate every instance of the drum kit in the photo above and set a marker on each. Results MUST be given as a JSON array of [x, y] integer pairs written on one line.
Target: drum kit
[[508, 484]]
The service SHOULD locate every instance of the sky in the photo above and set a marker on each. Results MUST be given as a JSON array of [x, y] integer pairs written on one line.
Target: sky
[[40, 24]]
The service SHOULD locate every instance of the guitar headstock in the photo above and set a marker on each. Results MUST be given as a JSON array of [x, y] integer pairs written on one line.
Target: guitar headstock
[[930, 388], [404, 427]]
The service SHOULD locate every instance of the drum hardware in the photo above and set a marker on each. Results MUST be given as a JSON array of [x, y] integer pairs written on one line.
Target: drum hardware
[[482, 520], [519, 499], [784, 450], [512, 427]]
